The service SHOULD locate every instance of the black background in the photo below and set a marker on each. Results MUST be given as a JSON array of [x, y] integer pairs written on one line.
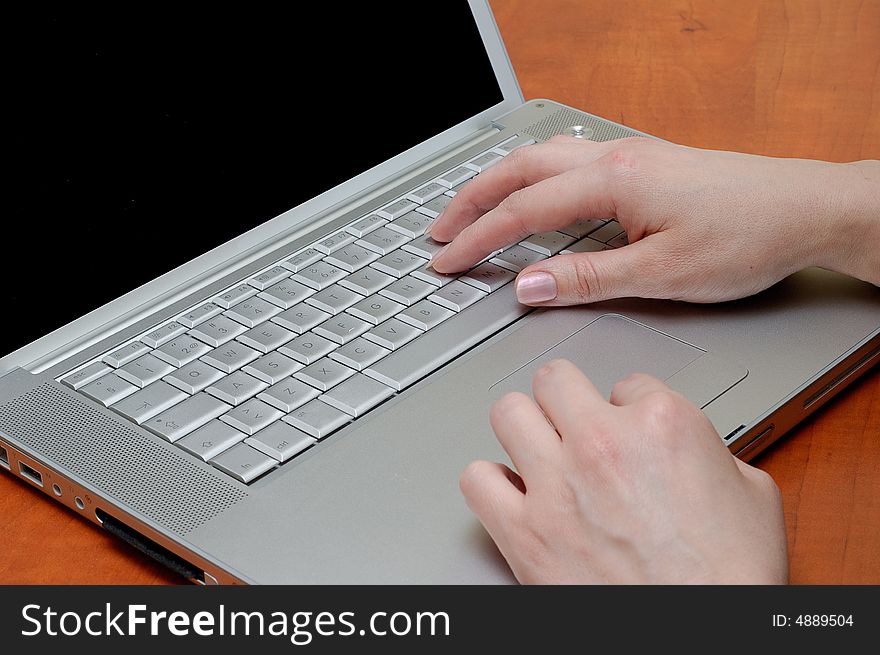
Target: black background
[[140, 138]]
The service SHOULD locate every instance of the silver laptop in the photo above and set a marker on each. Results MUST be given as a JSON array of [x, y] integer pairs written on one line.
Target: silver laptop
[[228, 347]]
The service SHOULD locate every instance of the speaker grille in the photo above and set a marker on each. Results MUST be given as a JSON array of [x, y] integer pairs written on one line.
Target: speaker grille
[[559, 121], [159, 483]]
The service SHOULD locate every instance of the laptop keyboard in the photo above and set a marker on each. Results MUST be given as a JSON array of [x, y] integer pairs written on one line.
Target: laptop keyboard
[[251, 378]]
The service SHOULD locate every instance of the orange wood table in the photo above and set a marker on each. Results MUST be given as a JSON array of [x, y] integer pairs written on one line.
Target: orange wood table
[[794, 79]]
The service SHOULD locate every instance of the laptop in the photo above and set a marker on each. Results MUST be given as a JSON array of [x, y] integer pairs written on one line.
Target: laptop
[[229, 349]]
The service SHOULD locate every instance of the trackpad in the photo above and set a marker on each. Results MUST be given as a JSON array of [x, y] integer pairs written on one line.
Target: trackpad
[[612, 347]]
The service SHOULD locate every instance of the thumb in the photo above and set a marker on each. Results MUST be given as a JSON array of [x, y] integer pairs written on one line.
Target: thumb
[[592, 276]]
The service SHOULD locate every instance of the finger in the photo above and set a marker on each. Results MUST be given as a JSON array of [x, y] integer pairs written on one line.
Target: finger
[[566, 396], [636, 270], [632, 389], [523, 431], [560, 200], [491, 493], [521, 168]]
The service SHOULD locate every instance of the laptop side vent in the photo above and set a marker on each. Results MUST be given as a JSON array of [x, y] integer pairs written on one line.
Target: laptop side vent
[[596, 129], [159, 483]]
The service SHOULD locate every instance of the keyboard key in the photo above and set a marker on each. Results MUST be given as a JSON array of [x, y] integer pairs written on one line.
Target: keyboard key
[[352, 257], [392, 334], [435, 207], [424, 246], [367, 281], [516, 258], [607, 232], [85, 375], [286, 294], [426, 193], [243, 462], [280, 441], [266, 337], [217, 331], [320, 275], [383, 241], [456, 176], [251, 416], [126, 354], [397, 209], [488, 277], [307, 348], [484, 161], [366, 225], [183, 418], [359, 354], [334, 242], [268, 278], [230, 357], [334, 299], [411, 225], [324, 373], [149, 401], [619, 241], [456, 296], [583, 227], [425, 314], [448, 340], [317, 418], [199, 315], [547, 243], [302, 259], [163, 334], [272, 368], [211, 439], [301, 317], [584, 245], [193, 377], [408, 290], [108, 389], [235, 295], [398, 263], [181, 351], [252, 312], [144, 370], [375, 309], [358, 395], [236, 388], [506, 147], [342, 328], [288, 394], [429, 275]]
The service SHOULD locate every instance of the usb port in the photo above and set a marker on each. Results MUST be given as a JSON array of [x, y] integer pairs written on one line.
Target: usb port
[[30, 473], [4, 457]]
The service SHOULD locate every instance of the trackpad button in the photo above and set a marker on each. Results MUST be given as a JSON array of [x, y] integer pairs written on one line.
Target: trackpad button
[[612, 347]]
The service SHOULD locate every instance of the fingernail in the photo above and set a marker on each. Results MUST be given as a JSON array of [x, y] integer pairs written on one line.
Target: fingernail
[[428, 229], [536, 287], [439, 253]]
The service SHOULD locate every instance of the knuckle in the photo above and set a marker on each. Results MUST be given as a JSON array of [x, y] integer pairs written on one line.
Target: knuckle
[[665, 408], [586, 282], [622, 161]]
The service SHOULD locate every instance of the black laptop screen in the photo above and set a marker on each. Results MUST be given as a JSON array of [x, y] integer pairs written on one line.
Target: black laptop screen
[[139, 138]]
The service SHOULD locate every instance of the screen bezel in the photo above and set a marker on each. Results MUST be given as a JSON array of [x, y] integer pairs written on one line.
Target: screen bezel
[[169, 287]]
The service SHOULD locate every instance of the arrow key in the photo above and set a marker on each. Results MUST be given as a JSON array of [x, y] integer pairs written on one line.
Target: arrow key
[[211, 439]]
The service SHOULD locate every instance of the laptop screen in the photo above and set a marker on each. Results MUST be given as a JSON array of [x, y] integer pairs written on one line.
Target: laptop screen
[[141, 140]]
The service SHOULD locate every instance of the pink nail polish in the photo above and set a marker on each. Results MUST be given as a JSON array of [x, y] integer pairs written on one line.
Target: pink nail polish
[[536, 287]]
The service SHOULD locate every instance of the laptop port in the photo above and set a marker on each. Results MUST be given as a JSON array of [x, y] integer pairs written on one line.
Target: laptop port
[[30, 473], [4, 457]]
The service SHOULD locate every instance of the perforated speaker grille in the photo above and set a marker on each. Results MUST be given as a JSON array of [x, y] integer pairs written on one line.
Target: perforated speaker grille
[[159, 483], [561, 120]]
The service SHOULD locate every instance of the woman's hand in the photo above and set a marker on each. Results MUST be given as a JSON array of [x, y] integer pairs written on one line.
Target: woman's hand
[[638, 490], [703, 225]]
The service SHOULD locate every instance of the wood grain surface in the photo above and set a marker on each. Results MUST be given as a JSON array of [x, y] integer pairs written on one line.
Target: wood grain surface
[[795, 79]]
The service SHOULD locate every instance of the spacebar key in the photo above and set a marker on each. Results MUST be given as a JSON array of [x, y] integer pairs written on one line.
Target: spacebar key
[[449, 339]]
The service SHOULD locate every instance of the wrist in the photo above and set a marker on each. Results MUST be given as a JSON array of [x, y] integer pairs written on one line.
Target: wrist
[[851, 232]]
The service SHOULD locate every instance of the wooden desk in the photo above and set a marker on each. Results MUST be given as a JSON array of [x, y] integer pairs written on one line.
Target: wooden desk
[[799, 78]]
